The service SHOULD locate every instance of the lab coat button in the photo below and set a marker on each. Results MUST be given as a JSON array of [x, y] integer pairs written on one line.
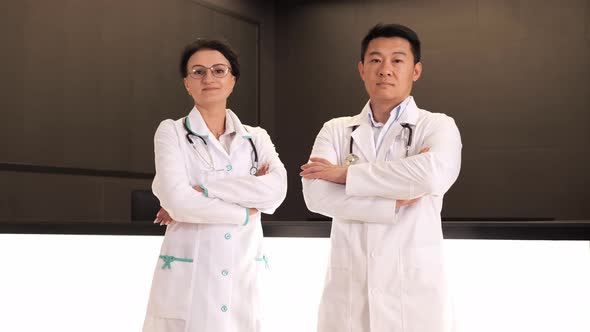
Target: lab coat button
[[373, 254], [228, 168], [224, 308], [375, 292], [224, 273], [227, 236]]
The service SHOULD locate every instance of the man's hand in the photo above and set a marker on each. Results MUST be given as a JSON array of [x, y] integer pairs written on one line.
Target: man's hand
[[320, 168], [402, 202], [163, 217]]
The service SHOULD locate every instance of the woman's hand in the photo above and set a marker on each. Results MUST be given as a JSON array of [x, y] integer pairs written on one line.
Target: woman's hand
[[263, 170], [252, 211], [163, 217]]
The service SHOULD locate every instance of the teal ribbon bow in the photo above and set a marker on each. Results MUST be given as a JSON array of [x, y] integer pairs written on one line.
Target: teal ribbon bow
[[169, 259], [265, 260]]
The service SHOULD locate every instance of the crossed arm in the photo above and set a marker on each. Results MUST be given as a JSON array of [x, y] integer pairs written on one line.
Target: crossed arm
[[228, 200], [369, 192]]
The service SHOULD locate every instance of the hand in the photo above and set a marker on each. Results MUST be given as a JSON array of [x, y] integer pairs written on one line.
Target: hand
[[198, 188], [163, 217], [252, 211], [263, 170], [403, 202], [320, 168]]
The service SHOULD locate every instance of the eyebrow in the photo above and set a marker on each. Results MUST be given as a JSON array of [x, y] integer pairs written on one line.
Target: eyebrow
[[198, 65], [380, 54]]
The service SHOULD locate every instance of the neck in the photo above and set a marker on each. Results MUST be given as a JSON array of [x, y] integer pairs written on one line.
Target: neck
[[214, 117], [382, 109]]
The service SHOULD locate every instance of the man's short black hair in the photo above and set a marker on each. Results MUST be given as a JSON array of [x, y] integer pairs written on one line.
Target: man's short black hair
[[209, 44], [389, 31]]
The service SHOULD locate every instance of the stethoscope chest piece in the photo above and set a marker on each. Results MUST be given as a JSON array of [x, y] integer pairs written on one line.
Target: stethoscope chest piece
[[351, 159]]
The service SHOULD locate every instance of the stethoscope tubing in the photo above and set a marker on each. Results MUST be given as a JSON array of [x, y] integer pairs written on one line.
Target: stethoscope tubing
[[253, 169]]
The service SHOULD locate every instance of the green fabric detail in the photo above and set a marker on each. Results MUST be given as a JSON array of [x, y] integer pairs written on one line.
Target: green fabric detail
[[205, 190], [247, 216], [169, 259], [264, 259]]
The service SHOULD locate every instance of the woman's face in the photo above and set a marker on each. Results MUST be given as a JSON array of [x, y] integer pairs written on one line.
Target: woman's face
[[208, 90]]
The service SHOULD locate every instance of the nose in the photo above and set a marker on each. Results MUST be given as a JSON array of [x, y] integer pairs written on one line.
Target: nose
[[208, 76], [385, 69]]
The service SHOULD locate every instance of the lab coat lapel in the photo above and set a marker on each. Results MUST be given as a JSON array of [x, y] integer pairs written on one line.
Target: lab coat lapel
[[363, 136], [241, 134], [199, 128], [410, 116]]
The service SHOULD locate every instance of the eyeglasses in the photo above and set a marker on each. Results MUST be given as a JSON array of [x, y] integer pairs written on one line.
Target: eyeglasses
[[219, 70]]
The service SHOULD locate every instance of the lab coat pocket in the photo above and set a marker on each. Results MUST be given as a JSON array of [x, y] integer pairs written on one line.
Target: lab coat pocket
[[396, 150], [336, 301], [171, 286], [424, 289], [261, 267], [340, 258]]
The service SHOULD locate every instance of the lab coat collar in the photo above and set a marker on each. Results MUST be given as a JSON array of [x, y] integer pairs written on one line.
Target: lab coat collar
[[363, 136], [409, 114], [232, 124]]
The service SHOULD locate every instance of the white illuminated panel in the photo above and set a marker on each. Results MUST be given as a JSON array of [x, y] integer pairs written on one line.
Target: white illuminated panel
[[101, 283]]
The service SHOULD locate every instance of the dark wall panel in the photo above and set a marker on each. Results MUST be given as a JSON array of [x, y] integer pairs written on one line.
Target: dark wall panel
[[515, 75], [86, 85]]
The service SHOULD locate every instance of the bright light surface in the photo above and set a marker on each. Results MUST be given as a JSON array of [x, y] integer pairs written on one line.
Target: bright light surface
[[101, 283]]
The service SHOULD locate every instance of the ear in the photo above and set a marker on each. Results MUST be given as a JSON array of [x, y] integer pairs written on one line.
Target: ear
[[417, 71], [185, 82], [361, 70]]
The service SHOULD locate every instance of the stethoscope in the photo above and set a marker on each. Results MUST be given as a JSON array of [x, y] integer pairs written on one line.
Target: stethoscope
[[352, 158], [253, 169]]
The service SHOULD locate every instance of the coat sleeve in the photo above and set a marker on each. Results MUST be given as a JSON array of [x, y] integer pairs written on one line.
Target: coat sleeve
[[429, 173], [172, 187], [264, 193], [330, 199]]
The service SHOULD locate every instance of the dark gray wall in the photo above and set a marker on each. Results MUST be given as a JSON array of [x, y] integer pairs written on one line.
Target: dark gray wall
[[85, 84], [515, 75]]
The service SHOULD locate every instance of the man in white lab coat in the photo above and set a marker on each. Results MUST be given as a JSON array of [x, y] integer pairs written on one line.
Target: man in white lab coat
[[381, 175]]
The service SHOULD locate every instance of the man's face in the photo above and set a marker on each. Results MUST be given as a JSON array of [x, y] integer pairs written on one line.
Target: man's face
[[388, 70]]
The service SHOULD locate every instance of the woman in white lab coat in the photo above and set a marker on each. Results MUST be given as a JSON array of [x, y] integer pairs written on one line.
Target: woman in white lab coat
[[214, 175]]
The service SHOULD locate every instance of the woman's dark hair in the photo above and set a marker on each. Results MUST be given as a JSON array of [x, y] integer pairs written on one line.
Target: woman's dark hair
[[390, 31], [209, 44]]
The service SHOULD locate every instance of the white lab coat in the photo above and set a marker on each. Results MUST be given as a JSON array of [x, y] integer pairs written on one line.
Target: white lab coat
[[219, 290], [386, 270]]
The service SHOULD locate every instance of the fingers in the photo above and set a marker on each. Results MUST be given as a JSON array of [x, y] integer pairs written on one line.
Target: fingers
[[198, 188], [163, 218], [263, 170], [426, 149], [158, 215], [312, 169], [403, 202], [320, 160]]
